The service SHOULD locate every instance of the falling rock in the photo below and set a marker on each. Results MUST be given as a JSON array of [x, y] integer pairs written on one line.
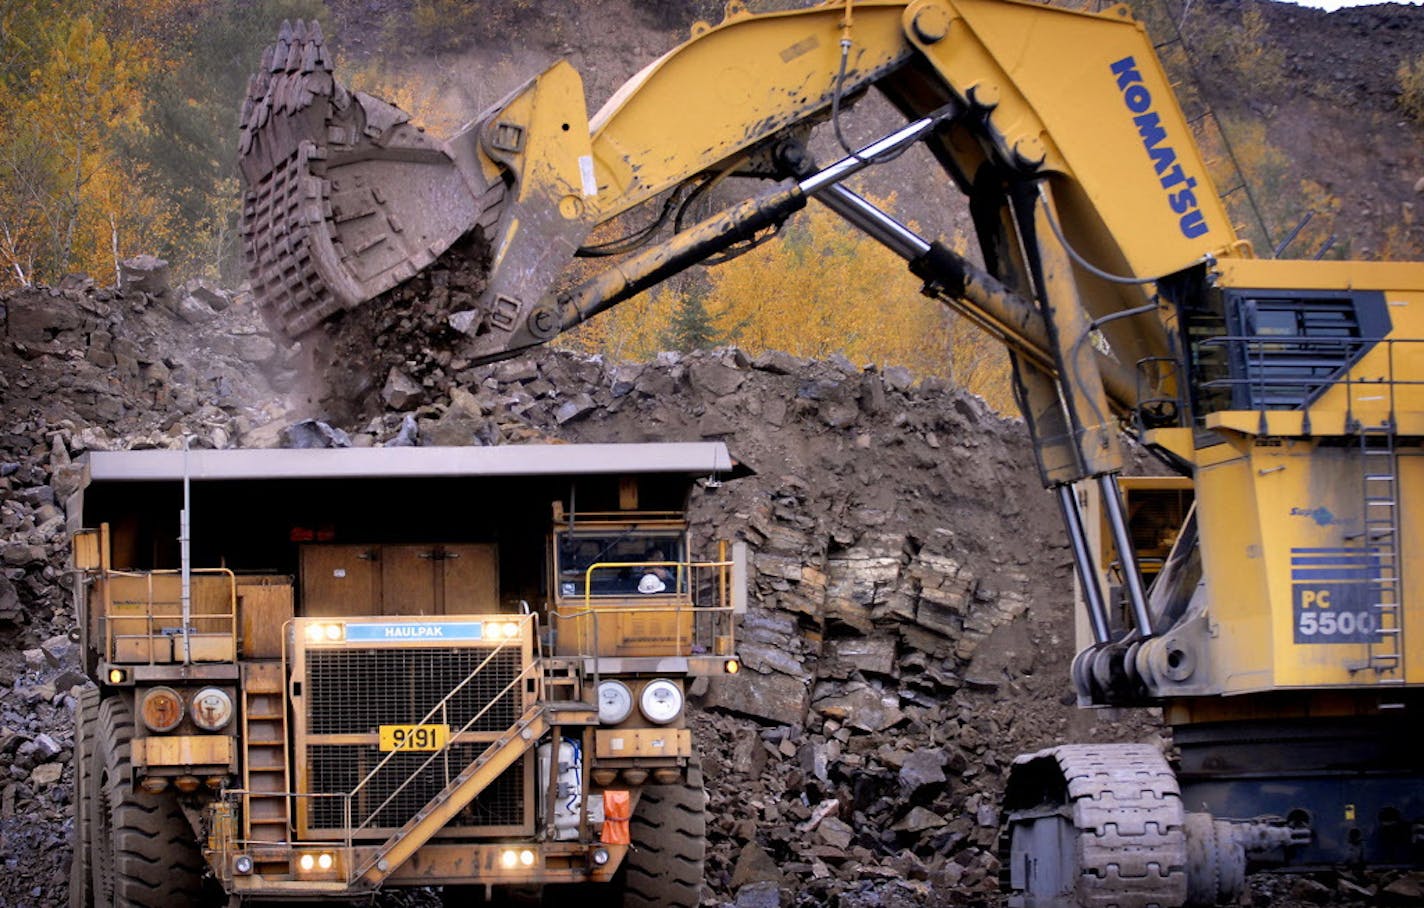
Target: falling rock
[[453, 428], [1407, 890], [254, 348], [408, 436], [208, 293], [918, 820], [898, 378], [313, 433], [754, 865], [779, 363], [573, 408], [60, 650], [517, 370], [193, 310], [922, 775], [46, 746], [9, 600], [714, 424], [759, 895], [1307, 890], [835, 832], [144, 274], [19, 554], [714, 378], [775, 697], [401, 392], [863, 709], [866, 654]]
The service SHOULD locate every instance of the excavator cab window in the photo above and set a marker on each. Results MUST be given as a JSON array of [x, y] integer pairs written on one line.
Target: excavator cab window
[[1267, 350]]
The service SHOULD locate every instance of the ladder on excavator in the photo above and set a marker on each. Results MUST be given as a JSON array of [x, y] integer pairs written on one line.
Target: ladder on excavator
[[1379, 462]]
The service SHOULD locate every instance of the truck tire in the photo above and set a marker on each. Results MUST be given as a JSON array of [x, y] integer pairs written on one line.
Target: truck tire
[[669, 834], [145, 853], [86, 720]]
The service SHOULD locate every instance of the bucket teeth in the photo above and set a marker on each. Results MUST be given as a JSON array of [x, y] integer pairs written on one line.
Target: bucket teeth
[[341, 199]]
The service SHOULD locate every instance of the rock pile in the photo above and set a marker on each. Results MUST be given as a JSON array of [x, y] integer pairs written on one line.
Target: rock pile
[[910, 623]]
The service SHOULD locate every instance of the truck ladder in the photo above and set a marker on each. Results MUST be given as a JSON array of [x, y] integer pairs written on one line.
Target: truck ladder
[[1380, 465], [266, 814], [375, 867]]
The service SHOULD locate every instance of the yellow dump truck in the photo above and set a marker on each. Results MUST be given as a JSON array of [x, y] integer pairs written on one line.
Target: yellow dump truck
[[317, 673]]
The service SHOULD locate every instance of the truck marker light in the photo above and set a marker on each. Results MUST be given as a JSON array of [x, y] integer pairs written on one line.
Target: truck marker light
[[242, 864], [526, 857], [162, 709], [615, 702], [212, 709], [510, 859], [600, 856], [732, 666], [324, 861], [661, 701], [117, 676], [306, 863]]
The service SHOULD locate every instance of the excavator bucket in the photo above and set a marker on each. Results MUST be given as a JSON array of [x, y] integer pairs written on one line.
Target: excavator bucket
[[343, 197]]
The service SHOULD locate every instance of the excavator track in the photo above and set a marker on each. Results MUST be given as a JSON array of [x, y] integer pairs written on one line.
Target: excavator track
[[344, 198], [1094, 825]]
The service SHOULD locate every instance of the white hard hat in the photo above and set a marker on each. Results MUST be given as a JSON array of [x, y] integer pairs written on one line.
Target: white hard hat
[[651, 584]]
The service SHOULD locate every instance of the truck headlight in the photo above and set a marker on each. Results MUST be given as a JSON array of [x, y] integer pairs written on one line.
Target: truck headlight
[[162, 709], [661, 701], [615, 702], [212, 709], [326, 632]]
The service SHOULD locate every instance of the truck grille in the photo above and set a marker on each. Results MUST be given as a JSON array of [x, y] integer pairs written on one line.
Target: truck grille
[[355, 691], [337, 768], [352, 692]]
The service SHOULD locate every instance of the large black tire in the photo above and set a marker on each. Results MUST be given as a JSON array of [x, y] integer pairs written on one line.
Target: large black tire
[[664, 866], [145, 853], [86, 722]]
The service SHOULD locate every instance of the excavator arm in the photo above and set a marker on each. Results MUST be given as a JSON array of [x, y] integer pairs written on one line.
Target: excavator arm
[[1289, 390], [1084, 184], [1058, 125]]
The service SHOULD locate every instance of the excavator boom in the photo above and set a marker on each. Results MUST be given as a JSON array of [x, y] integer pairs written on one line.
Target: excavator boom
[[346, 198], [1274, 635]]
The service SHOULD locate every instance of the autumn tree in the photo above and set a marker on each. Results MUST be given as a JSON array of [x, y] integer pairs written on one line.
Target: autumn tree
[[820, 288], [66, 93], [190, 136]]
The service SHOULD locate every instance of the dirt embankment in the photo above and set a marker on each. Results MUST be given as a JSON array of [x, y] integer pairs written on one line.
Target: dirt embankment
[[910, 627]]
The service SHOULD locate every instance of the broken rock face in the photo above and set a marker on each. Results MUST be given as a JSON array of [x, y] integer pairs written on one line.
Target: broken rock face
[[899, 547]]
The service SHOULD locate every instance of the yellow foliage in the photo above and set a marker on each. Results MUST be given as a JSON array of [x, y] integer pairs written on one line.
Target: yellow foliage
[[821, 288], [66, 200]]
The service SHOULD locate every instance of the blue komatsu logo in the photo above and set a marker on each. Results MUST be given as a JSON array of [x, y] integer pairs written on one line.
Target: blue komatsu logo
[[1175, 182]]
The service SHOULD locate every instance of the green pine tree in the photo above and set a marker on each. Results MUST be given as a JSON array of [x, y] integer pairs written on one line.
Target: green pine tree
[[691, 327]]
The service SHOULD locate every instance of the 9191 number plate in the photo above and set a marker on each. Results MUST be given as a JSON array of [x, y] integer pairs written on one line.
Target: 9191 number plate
[[414, 737]]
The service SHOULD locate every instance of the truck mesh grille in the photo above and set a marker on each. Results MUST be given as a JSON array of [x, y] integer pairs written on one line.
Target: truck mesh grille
[[337, 768], [355, 691]]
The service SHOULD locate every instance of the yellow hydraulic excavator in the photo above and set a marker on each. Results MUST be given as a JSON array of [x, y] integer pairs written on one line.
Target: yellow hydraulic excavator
[[1288, 395]]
